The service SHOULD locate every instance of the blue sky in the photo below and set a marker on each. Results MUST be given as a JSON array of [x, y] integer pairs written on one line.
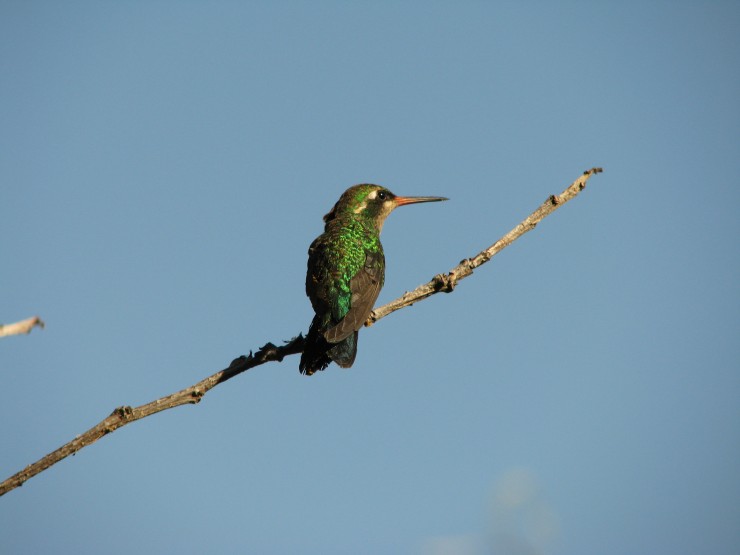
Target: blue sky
[[164, 167]]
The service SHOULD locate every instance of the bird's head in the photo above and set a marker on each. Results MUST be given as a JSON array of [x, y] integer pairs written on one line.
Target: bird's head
[[371, 203]]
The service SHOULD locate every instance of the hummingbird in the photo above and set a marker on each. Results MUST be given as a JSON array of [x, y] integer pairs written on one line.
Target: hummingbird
[[346, 270]]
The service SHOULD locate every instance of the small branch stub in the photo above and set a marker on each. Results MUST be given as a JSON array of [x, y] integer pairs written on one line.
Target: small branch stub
[[24, 326], [445, 283]]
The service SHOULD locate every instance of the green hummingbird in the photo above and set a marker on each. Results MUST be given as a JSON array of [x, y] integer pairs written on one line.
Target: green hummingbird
[[346, 270]]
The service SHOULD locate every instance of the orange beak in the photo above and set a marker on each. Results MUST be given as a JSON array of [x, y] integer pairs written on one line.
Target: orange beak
[[400, 201]]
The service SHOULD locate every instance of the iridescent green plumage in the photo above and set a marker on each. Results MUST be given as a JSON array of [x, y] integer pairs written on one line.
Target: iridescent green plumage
[[346, 269]]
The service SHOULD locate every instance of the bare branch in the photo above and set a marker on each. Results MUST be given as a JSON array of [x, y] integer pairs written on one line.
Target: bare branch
[[24, 326], [269, 353]]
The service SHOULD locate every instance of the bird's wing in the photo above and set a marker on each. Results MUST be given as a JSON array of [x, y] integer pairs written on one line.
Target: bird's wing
[[364, 288]]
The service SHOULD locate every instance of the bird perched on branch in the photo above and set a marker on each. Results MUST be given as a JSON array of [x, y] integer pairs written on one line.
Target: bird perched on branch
[[346, 270]]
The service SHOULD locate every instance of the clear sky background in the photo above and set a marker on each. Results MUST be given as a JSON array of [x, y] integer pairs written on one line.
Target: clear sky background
[[163, 169]]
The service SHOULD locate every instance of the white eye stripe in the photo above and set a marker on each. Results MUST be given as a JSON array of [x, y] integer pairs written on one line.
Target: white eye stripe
[[372, 195]]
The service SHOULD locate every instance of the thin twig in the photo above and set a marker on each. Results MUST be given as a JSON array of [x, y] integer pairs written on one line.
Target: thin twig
[[269, 353], [445, 283]]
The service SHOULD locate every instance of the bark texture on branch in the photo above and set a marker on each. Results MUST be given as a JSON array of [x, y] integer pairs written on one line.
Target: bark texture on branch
[[269, 353]]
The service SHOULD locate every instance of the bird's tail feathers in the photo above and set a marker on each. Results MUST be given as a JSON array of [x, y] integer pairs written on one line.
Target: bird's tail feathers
[[344, 352], [314, 356], [319, 353]]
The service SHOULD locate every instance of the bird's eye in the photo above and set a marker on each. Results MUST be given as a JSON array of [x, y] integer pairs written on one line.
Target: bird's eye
[[382, 195]]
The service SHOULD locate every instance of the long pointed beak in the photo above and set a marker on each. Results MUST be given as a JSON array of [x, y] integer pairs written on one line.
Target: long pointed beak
[[400, 201]]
